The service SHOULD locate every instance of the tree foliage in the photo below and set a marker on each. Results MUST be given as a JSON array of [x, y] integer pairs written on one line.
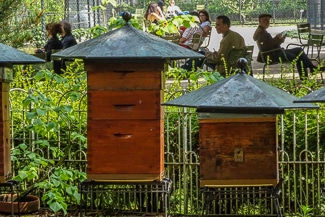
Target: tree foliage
[[16, 21]]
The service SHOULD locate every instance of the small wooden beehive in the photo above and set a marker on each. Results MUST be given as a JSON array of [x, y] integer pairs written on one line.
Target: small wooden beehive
[[238, 130], [125, 122], [238, 150]]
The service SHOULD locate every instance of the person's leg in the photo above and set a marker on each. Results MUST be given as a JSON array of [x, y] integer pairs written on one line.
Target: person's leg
[[304, 60], [211, 65], [291, 55], [193, 64]]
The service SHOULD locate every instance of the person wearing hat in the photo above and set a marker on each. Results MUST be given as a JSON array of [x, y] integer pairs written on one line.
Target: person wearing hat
[[266, 42]]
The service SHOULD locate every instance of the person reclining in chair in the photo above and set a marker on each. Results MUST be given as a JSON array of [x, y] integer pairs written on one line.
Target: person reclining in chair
[[266, 42]]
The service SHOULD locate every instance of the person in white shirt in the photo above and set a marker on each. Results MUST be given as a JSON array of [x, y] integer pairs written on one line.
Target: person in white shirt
[[172, 9]]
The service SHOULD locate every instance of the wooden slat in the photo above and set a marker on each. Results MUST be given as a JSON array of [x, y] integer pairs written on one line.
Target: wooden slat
[[109, 80], [125, 177], [233, 120], [238, 183], [125, 147], [133, 104]]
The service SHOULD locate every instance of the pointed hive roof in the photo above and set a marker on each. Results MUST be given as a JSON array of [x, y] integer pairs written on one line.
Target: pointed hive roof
[[240, 93], [12, 56], [315, 96], [127, 42]]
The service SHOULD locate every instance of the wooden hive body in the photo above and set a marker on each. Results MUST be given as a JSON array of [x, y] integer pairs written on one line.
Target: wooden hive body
[[239, 151], [125, 120], [5, 160]]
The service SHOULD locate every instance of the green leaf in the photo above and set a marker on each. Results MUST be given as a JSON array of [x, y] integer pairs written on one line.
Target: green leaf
[[31, 115], [56, 207], [40, 112]]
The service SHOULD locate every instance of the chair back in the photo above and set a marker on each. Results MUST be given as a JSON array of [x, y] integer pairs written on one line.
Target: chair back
[[147, 24], [316, 39], [304, 30], [234, 55], [53, 52], [176, 38], [268, 57], [249, 57], [40, 55], [196, 42], [249, 52], [139, 11], [206, 40], [172, 38]]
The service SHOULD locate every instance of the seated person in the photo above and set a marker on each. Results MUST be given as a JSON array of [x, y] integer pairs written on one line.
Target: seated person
[[205, 22], [215, 60], [161, 4], [53, 43], [266, 42], [68, 39], [172, 9], [154, 13], [187, 36]]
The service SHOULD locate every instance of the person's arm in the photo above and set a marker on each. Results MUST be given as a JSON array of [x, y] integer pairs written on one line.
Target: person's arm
[[48, 49], [186, 35], [206, 30], [178, 9], [155, 16], [224, 48], [161, 14], [266, 41]]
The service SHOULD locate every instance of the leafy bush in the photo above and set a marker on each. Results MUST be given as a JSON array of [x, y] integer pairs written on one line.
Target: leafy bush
[[49, 125]]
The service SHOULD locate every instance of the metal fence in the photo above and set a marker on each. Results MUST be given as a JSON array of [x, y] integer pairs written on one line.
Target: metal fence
[[301, 161], [85, 13]]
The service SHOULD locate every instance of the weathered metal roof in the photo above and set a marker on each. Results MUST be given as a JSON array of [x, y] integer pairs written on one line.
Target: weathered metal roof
[[315, 96], [127, 42], [240, 93], [12, 56]]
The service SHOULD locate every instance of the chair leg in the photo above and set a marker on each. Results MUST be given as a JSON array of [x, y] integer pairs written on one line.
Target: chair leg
[[264, 71], [321, 76]]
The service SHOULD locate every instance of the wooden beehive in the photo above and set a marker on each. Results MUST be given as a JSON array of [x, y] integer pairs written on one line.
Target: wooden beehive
[[5, 161], [125, 120], [238, 151]]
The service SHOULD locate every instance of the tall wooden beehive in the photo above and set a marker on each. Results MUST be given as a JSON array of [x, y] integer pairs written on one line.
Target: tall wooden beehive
[[125, 120], [125, 92], [11, 56], [238, 130]]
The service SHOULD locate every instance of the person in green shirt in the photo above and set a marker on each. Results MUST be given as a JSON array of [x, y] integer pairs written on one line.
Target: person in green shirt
[[216, 59], [230, 39]]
